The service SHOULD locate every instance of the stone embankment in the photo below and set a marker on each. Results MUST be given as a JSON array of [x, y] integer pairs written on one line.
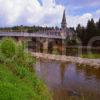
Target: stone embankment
[[72, 59]]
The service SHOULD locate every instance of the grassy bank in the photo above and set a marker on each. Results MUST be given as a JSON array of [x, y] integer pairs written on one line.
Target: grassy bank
[[92, 56], [18, 80]]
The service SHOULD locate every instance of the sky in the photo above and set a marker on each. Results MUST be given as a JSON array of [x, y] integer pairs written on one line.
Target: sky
[[48, 12]]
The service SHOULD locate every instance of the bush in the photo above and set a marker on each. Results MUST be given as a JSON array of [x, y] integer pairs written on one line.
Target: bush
[[10, 51], [8, 47], [23, 57]]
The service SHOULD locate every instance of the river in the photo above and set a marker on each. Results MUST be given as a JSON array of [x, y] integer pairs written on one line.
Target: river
[[68, 81]]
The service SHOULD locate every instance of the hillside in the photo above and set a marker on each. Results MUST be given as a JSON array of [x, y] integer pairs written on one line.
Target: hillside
[[18, 80]]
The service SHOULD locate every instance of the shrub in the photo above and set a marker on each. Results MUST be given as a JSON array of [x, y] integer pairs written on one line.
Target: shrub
[[23, 57], [10, 51], [8, 47]]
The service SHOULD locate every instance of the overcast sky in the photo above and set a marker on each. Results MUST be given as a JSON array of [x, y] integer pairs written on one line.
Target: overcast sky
[[47, 12]]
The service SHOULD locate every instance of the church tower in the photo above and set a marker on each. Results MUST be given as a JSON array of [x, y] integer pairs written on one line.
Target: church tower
[[63, 23]]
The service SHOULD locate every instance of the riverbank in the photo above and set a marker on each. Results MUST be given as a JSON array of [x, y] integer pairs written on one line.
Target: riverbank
[[18, 80], [91, 56], [19, 83], [72, 59]]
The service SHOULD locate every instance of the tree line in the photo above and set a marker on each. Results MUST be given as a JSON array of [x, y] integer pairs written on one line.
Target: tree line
[[87, 33], [28, 29]]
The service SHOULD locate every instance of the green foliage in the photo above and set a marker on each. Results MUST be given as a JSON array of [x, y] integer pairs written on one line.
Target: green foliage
[[23, 57], [87, 33], [71, 42], [92, 56], [55, 52], [10, 91], [12, 52], [8, 47], [22, 72], [22, 28], [22, 85], [17, 81], [30, 31]]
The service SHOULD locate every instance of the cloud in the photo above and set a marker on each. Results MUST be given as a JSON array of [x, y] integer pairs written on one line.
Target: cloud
[[97, 15], [29, 12], [32, 12], [73, 21]]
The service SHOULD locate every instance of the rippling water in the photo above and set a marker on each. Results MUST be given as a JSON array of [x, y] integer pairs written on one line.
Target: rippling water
[[69, 81]]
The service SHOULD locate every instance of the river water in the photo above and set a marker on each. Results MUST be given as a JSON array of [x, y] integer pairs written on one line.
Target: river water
[[68, 81]]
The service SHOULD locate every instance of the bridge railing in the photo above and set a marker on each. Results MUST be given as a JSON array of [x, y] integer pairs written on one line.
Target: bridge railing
[[35, 34]]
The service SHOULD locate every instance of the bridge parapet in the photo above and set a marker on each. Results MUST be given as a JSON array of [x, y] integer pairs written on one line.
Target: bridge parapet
[[35, 34]]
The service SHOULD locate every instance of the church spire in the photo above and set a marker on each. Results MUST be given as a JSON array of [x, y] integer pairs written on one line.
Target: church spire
[[63, 23]]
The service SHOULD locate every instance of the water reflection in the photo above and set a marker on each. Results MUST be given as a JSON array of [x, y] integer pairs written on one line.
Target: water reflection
[[62, 72], [89, 71], [70, 81]]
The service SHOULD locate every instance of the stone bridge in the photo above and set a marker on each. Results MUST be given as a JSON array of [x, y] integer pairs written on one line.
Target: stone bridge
[[45, 40], [39, 41]]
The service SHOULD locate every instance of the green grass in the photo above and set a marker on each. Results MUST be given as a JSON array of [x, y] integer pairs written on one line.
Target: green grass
[[92, 56], [18, 80], [21, 84]]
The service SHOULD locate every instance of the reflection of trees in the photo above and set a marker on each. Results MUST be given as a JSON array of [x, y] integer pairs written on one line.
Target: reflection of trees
[[62, 71], [54, 47], [88, 71], [50, 47], [41, 47], [98, 73]]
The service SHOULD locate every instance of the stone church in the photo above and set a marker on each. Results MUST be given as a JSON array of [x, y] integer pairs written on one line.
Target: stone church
[[64, 31]]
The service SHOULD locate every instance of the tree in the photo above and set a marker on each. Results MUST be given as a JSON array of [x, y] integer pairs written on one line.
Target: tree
[[81, 33], [8, 47], [91, 29], [98, 27]]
